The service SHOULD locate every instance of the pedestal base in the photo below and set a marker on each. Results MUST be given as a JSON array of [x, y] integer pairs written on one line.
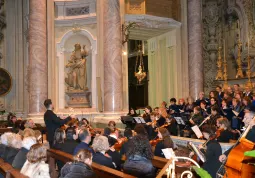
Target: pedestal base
[[78, 99]]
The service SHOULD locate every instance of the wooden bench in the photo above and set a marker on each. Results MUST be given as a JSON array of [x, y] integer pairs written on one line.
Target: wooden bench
[[100, 170], [8, 171]]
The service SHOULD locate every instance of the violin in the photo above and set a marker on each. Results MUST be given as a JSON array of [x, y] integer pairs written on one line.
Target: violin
[[218, 132], [121, 141], [155, 141]]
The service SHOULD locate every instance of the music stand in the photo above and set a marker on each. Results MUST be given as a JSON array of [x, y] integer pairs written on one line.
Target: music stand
[[128, 121]]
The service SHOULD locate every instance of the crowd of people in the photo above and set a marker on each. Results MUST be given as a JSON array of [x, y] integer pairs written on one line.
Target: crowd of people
[[220, 117]]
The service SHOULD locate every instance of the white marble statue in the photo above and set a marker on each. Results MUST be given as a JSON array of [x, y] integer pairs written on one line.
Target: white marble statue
[[77, 74]]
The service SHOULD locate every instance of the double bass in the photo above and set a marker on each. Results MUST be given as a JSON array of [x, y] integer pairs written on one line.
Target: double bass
[[236, 165]]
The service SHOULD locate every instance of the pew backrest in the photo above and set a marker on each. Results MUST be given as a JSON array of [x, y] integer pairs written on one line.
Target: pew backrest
[[100, 170]]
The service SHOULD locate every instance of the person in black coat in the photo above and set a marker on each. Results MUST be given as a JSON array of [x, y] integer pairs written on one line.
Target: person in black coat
[[250, 136], [166, 142], [224, 130], [139, 158], [69, 144], [101, 146], [21, 157], [52, 121], [212, 153], [124, 148], [115, 155], [80, 168]]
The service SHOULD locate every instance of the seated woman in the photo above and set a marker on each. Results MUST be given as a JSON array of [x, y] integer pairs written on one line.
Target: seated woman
[[166, 142], [59, 139], [132, 113], [101, 146], [140, 130], [224, 130], [129, 135], [4, 143], [212, 152], [163, 115], [21, 157], [139, 157], [80, 168], [70, 143], [115, 155], [14, 143], [58, 144], [35, 165], [11, 119]]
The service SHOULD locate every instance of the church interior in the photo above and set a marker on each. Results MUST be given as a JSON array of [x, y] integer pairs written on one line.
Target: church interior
[[127, 88]]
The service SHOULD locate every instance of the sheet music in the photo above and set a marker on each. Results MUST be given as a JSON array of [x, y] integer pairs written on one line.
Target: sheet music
[[236, 113], [137, 120], [142, 120], [168, 153], [198, 152], [197, 131], [179, 121]]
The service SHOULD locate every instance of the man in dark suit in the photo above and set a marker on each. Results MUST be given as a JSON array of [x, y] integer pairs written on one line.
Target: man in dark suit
[[52, 121]]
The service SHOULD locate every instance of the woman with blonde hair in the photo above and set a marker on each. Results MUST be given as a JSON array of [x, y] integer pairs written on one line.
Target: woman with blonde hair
[[101, 146], [80, 168], [35, 165], [224, 133], [14, 143], [166, 142]]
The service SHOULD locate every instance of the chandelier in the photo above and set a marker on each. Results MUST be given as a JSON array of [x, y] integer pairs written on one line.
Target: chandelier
[[140, 74]]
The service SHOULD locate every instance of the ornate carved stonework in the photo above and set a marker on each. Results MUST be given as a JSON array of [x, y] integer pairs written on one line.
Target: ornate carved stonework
[[2, 24], [211, 27], [77, 11]]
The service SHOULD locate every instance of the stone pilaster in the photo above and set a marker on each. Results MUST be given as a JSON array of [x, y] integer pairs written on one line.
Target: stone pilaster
[[38, 66], [113, 83], [196, 66]]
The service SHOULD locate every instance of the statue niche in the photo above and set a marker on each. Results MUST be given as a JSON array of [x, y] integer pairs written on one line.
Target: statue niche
[[76, 79]]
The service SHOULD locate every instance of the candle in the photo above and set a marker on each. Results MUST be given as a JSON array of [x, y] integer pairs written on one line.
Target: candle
[[224, 46], [248, 46], [239, 29]]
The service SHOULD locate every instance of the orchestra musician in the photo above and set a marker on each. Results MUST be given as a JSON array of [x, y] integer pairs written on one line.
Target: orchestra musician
[[165, 142], [151, 126], [236, 120], [197, 118], [146, 116], [223, 133], [213, 103], [211, 152], [250, 136], [214, 116], [173, 108], [203, 106]]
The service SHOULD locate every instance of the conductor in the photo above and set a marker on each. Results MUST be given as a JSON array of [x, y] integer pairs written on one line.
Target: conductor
[[52, 121]]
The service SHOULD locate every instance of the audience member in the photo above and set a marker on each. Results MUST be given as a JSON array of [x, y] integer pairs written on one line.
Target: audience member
[[101, 146], [80, 168], [115, 155], [21, 157], [85, 138], [139, 158], [35, 166]]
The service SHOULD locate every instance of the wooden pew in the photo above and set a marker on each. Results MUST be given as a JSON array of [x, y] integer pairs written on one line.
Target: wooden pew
[[8, 171], [101, 171]]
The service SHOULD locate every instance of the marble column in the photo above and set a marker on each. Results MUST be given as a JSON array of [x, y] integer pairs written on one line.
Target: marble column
[[38, 65], [113, 83], [196, 65]]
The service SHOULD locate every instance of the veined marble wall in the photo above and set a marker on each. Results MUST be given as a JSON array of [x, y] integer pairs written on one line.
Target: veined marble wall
[[15, 55]]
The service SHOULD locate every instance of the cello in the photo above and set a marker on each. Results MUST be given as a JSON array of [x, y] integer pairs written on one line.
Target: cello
[[237, 165]]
